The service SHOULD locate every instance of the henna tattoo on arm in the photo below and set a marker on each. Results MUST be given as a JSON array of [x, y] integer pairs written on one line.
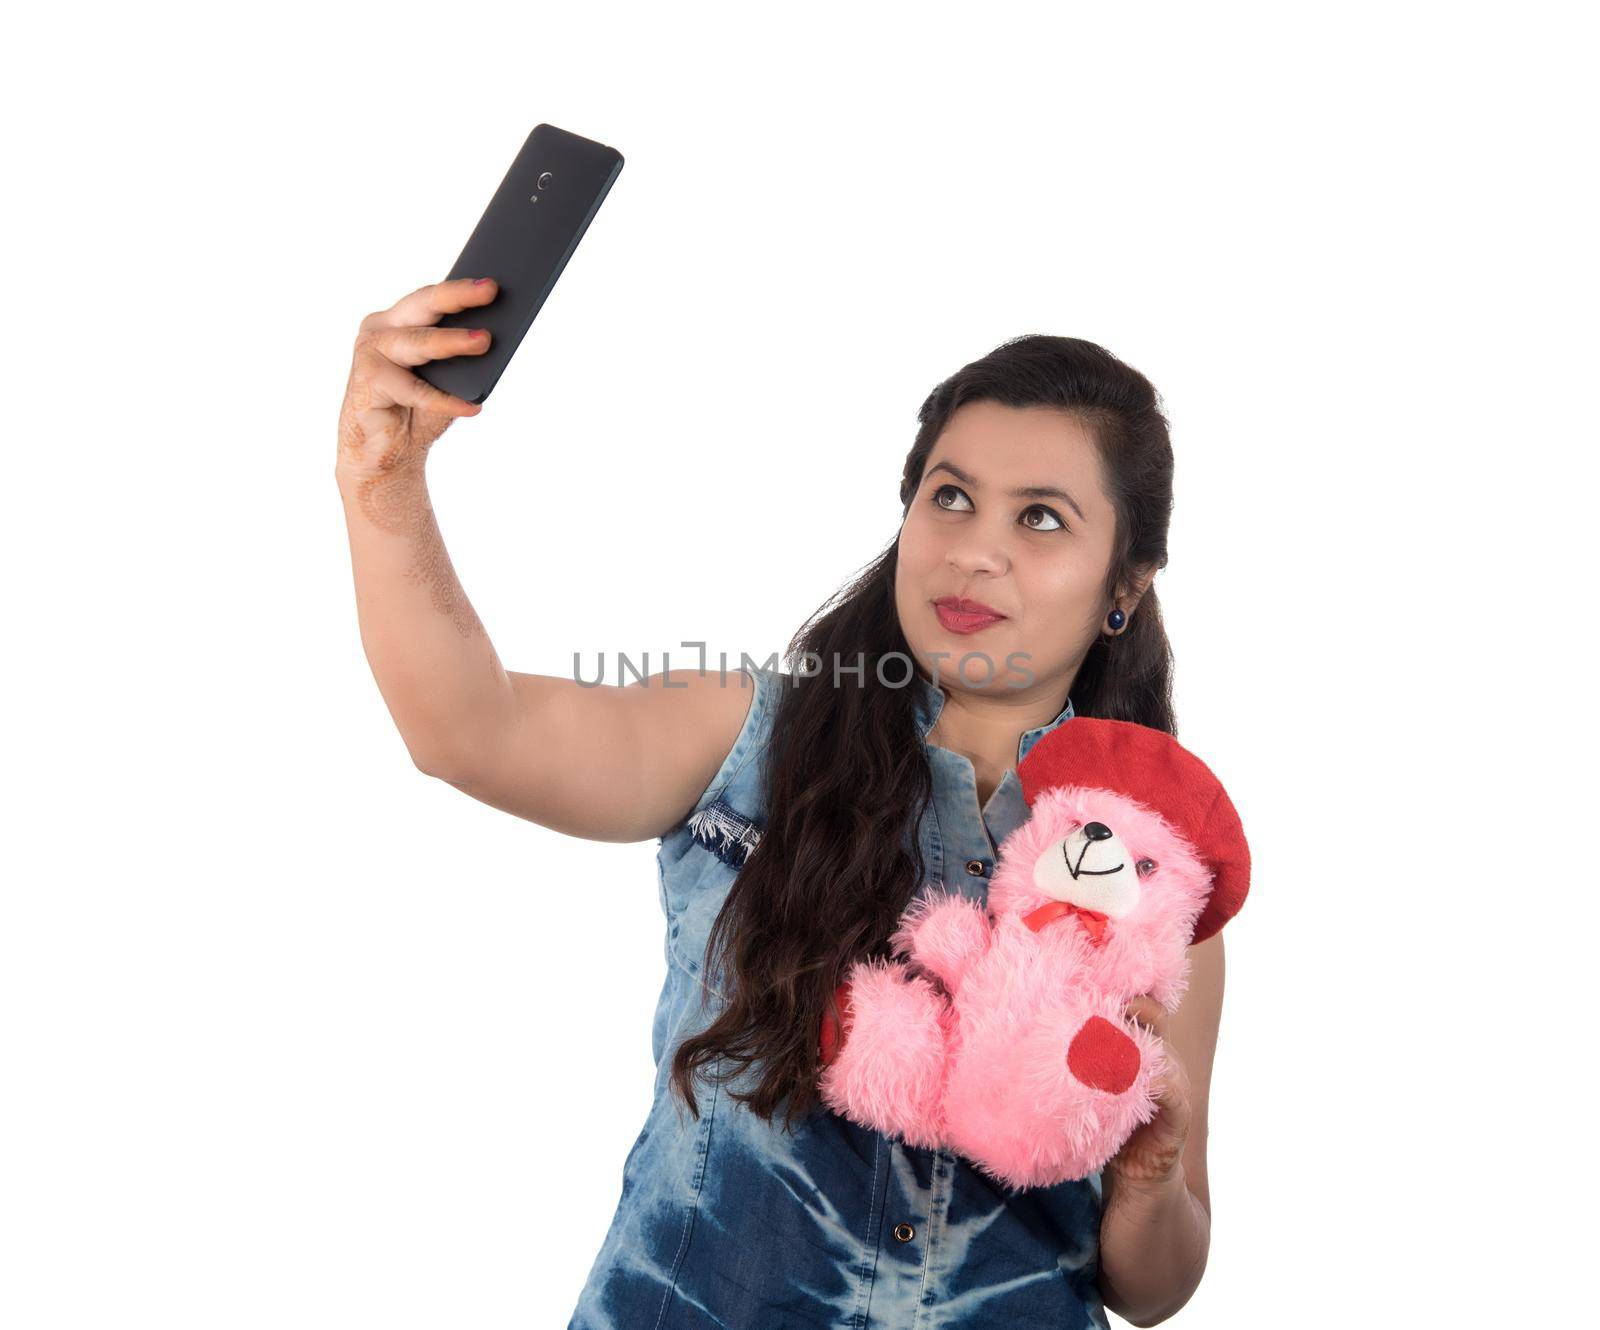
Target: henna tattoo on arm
[[398, 503]]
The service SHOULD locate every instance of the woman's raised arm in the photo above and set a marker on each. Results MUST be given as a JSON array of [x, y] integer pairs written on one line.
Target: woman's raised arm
[[605, 762]]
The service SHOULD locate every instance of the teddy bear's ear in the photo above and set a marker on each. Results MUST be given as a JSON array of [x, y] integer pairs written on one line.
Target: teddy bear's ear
[[1153, 767]]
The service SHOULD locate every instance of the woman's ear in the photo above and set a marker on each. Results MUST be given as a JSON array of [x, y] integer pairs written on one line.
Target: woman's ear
[[1135, 592]]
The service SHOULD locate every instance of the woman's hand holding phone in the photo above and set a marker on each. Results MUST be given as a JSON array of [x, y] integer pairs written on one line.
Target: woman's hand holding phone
[[390, 418], [433, 661], [452, 700]]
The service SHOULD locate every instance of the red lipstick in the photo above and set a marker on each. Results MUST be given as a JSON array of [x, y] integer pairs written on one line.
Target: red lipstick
[[960, 615]]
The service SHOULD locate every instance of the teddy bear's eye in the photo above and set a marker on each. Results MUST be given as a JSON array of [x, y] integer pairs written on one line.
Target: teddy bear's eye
[[1145, 867]]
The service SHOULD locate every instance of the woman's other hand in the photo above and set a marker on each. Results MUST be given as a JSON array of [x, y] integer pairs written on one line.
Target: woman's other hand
[[1154, 1153]]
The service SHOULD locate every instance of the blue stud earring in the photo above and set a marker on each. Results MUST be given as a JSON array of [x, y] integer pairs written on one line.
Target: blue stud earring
[[1116, 619]]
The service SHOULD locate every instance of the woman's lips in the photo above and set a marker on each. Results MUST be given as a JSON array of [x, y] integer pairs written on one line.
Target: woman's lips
[[958, 621]]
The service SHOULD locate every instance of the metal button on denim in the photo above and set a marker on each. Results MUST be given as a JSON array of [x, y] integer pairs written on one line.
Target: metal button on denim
[[728, 1221]]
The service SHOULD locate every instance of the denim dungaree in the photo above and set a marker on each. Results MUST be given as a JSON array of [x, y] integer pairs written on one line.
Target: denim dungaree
[[729, 1222]]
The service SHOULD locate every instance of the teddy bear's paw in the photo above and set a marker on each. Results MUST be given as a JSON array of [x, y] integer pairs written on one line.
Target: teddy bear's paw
[[887, 1070], [943, 933], [1114, 1062], [1045, 1097], [1103, 1057]]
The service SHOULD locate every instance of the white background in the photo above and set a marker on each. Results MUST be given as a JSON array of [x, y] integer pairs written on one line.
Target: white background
[[291, 1034]]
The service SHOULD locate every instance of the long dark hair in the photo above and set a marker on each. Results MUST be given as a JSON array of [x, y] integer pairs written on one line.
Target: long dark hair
[[846, 774]]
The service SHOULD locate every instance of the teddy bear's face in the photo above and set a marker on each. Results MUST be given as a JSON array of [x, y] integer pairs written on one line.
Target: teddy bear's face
[[1093, 868], [1104, 853]]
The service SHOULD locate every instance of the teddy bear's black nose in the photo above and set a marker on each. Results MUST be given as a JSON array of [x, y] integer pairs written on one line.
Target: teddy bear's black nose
[[1097, 831]]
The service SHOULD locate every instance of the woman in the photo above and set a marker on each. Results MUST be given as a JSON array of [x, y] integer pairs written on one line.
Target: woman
[[798, 813]]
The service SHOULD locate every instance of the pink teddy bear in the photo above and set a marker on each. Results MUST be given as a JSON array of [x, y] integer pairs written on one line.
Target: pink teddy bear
[[1000, 1033]]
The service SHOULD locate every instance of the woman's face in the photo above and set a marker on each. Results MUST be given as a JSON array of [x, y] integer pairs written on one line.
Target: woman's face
[[1039, 559]]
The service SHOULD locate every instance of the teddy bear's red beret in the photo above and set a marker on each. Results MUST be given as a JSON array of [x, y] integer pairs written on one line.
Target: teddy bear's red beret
[[1152, 767]]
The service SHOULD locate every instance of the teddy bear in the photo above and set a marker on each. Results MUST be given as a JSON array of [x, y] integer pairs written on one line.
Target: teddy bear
[[997, 1030]]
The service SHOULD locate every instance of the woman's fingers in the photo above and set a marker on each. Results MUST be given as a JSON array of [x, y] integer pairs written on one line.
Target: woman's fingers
[[397, 385], [413, 346], [1148, 1012], [428, 304], [389, 416]]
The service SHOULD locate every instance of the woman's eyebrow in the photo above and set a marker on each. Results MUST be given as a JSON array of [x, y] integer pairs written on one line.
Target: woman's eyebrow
[[1026, 492]]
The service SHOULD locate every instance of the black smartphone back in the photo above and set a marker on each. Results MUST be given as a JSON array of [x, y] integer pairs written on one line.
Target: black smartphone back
[[523, 240]]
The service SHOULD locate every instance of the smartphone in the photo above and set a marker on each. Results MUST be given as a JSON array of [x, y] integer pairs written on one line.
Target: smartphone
[[523, 240]]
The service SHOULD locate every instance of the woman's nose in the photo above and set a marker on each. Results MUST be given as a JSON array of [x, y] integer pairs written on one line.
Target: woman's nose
[[975, 556]]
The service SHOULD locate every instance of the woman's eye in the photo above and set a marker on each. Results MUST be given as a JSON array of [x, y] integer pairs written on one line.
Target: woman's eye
[[1053, 520], [1040, 508]]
